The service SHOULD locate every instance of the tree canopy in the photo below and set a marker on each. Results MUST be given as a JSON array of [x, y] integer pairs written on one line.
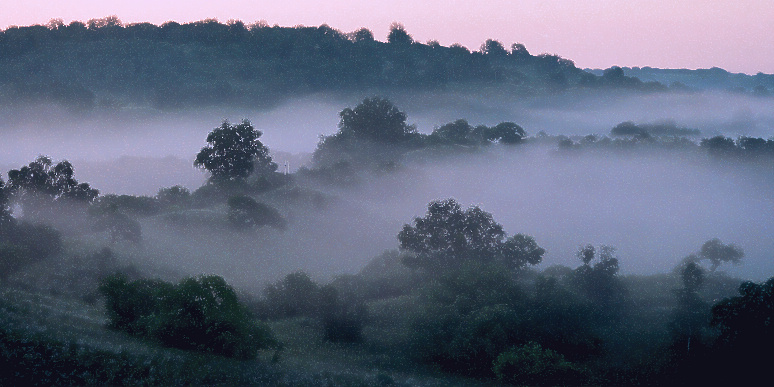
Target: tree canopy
[[375, 119], [234, 152], [448, 236], [717, 253]]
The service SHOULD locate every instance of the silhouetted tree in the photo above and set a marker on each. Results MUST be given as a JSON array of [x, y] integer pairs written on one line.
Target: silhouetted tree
[[244, 212], [5, 209], [398, 34], [718, 253], [375, 119], [39, 184], [233, 152], [746, 332], [176, 197], [448, 236], [494, 48]]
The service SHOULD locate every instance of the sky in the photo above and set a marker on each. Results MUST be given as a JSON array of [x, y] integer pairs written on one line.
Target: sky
[[735, 35]]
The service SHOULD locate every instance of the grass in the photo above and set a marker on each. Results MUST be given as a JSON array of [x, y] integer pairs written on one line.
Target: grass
[[59, 339]]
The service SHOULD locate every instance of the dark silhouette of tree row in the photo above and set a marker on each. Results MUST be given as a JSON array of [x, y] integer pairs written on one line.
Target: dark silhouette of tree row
[[207, 62]]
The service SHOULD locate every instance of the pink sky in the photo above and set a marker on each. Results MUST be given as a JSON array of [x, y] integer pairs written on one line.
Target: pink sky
[[735, 35]]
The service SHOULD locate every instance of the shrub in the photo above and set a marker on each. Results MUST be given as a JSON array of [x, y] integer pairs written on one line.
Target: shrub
[[23, 243], [201, 314], [244, 212], [343, 315], [532, 365]]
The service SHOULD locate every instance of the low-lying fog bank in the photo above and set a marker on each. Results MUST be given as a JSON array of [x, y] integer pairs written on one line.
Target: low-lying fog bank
[[656, 207], [295, 126]]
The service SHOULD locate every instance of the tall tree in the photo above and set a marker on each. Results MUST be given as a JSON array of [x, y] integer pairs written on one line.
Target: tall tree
[[234, 151], [448, 236], [375, 119]]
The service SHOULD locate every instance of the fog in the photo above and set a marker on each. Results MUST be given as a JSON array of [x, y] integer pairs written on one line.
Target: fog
[[656, 207]]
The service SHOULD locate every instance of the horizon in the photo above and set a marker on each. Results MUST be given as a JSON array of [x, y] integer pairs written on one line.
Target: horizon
[[693, 34]]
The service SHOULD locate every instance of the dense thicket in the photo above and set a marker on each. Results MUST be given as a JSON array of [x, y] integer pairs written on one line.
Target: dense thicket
[[201, 313]]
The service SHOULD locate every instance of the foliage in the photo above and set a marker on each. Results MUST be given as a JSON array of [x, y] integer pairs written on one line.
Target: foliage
[[174, 198], [718, 253], [294, 295], [473, 315], [5, 210], [201, 314], [234, 152], [599, 281], [39, 184], [343, 315], [118, 226], [376, 119], [23, 243], [341, 312], [745, 321], [532, 365], [127, 204], [244, 213], [447, 236]]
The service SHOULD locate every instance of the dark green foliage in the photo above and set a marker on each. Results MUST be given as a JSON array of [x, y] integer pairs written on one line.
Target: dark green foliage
[[746, 334], [118, 226], [245, 213], [127, 204], [532, 365], [447, 237], [667, 128], [234, 152], [505, 133], [717, 253], [5, 209], [375, 119], [174, 198], [37, 186], [472, 315], [202, 63], [339, 309], [398, 35], [745, 321], [343, 315], [201, 314], [719, 146], [294, 295], [23, 243], [31, 359], [599, 281]]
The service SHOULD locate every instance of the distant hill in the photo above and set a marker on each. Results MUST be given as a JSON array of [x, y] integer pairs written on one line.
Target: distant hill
[[106, 64], [702, 79]]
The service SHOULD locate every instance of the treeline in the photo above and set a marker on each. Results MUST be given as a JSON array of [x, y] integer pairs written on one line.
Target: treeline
[[714, 78], [108, 64]]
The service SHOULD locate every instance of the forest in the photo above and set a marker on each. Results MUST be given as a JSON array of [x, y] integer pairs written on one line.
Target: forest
[[481, 252]]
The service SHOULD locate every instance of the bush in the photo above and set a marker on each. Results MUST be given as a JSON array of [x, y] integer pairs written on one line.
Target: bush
[[343, 315], [533, 365], [201, 314], [23, 243], [244, 212]]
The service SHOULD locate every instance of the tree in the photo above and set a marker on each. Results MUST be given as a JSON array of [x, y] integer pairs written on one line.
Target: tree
[[5, 209], [599, 281], [398, 34], [717, 253], [746, 330], [244, 213], [494, 48], [448, 236], [40, 183], [376, 119], [506, 133], [234, 151]]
